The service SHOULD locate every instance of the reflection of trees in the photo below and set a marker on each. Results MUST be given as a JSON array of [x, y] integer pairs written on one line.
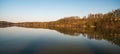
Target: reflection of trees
[[112, 35], [99, 34]]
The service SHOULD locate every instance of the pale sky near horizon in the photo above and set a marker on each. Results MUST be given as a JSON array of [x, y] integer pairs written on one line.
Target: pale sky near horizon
[[50, 10]]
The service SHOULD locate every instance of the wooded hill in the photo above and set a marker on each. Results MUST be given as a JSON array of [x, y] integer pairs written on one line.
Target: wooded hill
[[108, 20]]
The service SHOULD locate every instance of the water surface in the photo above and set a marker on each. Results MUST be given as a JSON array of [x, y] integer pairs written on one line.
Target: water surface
[[19, 40]]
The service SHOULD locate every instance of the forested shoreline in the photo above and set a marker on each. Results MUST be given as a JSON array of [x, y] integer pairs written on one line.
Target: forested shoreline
[[109, 20]]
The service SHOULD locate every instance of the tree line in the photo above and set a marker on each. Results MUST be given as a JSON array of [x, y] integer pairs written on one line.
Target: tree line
[[108, 20]]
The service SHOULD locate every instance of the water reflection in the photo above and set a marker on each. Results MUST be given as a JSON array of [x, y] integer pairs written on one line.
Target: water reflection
[[112, 35], [29, 40]]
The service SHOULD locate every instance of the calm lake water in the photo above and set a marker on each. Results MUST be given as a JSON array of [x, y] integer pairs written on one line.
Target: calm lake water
[[19, 40]]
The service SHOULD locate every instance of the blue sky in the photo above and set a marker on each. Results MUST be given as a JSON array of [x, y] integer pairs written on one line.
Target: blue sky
[[50, 10]]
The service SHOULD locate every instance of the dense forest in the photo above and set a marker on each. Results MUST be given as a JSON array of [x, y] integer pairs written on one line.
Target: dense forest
[[109, 20], [5, 24]]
